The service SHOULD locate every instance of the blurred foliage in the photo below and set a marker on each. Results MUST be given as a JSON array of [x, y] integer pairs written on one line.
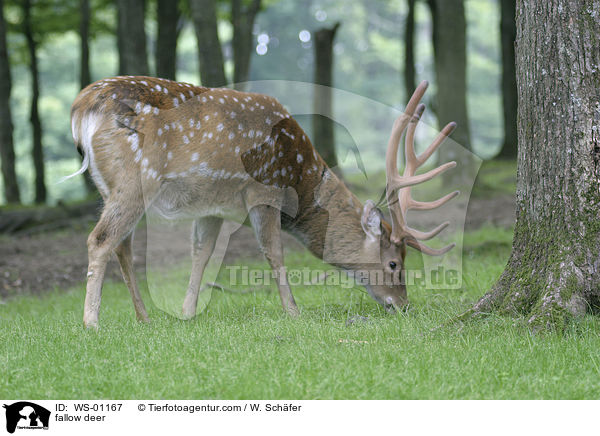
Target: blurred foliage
[[369, 57]]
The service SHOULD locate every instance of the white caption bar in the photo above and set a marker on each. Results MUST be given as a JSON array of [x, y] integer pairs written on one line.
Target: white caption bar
[[297, 417]]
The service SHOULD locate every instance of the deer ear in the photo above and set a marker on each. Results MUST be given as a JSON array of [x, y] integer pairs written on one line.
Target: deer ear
[[371, 220]]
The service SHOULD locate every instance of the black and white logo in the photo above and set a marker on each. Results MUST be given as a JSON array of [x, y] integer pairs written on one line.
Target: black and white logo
[[26, 415]]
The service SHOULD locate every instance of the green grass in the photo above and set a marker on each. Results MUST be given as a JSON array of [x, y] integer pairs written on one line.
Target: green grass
[[242, 346]]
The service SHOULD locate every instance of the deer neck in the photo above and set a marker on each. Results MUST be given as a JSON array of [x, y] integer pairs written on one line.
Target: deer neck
[[328, 222]]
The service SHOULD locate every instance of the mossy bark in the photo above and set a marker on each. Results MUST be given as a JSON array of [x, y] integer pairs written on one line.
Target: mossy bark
[[554, 270]]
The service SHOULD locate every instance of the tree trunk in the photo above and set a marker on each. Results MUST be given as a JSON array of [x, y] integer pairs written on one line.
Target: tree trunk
[[7, 150], [85, 77], [131, 38], [84, 32], [409, 50], [508, 33], [36, 124], [450, 59], [166, 44], [242, 19], [554, 269], [322, 126], [210, 55]]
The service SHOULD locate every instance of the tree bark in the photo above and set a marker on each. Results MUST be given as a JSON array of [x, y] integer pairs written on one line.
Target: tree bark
[[554, 269], [508, 33], [409, 50], [242, 19], [36, 123], [7, 150], [131, 38], [450, 59], [85, 77], [322, 126], [210, 55], [166, 43]]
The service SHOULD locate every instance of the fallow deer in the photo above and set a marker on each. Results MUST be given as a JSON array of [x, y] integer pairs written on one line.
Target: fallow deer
[[216, 153]]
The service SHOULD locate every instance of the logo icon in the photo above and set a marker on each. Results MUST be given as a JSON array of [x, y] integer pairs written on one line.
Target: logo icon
[[26, 415]]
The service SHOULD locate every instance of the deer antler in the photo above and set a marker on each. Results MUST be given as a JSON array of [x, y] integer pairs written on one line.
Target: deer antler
[[398, 187]]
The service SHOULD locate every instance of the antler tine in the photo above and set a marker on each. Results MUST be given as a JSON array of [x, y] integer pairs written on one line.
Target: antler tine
[[427, 205], [439, 140], [428, 250], [425, 236]]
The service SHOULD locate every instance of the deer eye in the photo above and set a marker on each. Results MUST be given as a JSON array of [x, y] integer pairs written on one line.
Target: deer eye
[[393, 265]]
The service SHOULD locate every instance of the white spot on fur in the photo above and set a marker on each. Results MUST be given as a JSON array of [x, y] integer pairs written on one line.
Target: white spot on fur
[[194, 157], [133, 139], [299, 158]]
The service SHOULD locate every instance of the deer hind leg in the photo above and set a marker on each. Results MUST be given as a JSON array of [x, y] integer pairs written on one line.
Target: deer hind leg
[[125, 256], [117, 220], [266, 222], [204, 236]]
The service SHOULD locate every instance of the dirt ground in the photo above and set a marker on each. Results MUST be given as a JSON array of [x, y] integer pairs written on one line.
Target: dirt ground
[[40, 262]]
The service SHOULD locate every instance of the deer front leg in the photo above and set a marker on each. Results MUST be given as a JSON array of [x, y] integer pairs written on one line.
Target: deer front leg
[[204, 236], [125, 256], [117, 221], [266, 222]]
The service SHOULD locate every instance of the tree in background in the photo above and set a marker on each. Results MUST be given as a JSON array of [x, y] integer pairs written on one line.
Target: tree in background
[[167, 15], [37, 151], [85, 77], [508, 34], [242, 19], [322, 126], [7, 151], [554, 269], [210, 55], [131, 37], [450, 60], [409, 50]]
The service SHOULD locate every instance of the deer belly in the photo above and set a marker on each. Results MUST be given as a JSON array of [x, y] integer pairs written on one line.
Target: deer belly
[[198, 197]]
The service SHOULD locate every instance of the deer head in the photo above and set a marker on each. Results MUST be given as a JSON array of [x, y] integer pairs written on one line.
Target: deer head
[[391, 240]]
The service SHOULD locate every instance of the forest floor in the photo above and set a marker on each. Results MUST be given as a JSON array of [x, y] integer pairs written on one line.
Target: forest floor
[[40, 262]]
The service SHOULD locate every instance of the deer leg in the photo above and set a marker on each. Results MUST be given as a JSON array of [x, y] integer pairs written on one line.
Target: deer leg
[[204, 236], [125, 256], [266, 222], [116, 222]]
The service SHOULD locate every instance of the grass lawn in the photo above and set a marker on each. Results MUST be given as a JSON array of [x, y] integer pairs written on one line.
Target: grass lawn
[[243, 346]]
